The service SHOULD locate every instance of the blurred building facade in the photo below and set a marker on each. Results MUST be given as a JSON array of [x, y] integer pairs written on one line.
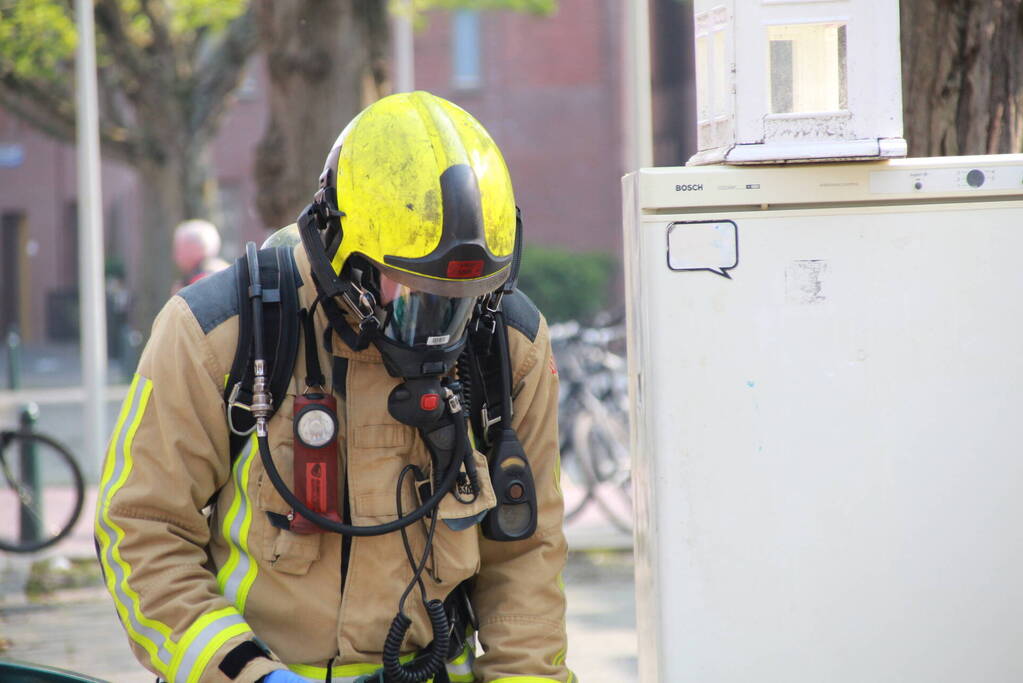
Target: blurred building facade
[[549, 89], [39, 222]]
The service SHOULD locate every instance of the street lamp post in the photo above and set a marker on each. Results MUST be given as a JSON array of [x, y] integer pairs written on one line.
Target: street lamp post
[[90, 235]]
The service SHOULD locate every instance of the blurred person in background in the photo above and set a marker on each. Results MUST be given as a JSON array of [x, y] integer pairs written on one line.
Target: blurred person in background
[[196, 252]]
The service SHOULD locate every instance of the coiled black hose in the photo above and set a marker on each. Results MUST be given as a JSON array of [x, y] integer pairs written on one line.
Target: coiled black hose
[[463, 369], [426, 664]]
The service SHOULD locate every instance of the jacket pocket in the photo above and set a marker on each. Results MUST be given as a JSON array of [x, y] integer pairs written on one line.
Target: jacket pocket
[[283, 550], [452, 508], [294, 553], [378, 505], [456, 550]]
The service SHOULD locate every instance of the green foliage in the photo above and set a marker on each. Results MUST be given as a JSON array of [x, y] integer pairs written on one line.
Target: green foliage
[[566, 284], [417, 7], [213, 15], [37, 39]]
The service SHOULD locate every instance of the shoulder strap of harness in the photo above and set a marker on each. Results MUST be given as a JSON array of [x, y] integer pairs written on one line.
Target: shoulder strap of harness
[[487, 360], [280, 282]]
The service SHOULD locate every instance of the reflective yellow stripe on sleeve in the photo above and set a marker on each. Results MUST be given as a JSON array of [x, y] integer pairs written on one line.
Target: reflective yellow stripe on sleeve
[[237, 575], [182, 662], [151, 635], [202, 639]]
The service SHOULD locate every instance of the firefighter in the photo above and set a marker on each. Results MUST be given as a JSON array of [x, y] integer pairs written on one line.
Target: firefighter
[[225, 566]]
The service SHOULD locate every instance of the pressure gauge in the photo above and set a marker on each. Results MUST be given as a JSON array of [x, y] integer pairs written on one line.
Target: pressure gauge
[[315, 426]]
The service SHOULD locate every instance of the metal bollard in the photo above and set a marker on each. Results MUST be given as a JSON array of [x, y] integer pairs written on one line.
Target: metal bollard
[[30, 523]]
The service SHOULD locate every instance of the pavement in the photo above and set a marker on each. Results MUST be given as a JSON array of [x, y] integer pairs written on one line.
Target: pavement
[[77, 629]]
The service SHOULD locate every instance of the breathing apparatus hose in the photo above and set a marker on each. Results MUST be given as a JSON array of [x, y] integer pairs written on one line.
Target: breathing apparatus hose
[[461, 440], [261, 411], [431, 659]]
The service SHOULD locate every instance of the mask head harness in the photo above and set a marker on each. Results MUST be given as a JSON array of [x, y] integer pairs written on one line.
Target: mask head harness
[[406, 351]]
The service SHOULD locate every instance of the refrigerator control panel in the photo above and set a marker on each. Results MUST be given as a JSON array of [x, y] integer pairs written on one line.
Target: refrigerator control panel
[[941, 180]]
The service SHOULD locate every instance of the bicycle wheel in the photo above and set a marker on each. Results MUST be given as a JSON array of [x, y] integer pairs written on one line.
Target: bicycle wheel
[[575, 488], [41, 492], [604, 457]]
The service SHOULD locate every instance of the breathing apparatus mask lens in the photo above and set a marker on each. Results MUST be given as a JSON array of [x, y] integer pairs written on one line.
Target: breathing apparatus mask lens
[[416, 318]]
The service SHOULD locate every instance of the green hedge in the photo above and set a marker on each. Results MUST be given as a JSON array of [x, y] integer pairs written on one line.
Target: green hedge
[[566, 284]]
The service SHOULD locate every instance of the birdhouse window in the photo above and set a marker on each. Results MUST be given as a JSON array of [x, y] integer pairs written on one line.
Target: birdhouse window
[[807, 68]]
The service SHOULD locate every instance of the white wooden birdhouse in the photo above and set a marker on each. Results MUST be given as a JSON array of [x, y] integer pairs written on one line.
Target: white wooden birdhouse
[[798, 80]]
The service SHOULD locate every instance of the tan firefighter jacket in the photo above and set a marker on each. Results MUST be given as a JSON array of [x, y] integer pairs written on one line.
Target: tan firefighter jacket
[[190, 588]]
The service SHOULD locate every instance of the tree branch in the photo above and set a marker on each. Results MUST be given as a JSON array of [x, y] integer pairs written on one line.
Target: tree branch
[[220, 69], [53, 114], [114, 117], [45, 106], [111, 22], [162, 42]]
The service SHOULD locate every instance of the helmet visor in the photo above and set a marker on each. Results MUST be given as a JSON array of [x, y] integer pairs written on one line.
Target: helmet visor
[[417, 318]]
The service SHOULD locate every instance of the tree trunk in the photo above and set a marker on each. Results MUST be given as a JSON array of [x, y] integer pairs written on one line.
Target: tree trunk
[[326, 61], [177, 187], [962, 76]]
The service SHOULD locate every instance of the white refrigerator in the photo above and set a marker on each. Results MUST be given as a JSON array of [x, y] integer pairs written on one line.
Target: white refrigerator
[[826, 377]]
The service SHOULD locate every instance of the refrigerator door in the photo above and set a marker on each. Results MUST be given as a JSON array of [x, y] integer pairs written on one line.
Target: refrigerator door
[[826, 441]]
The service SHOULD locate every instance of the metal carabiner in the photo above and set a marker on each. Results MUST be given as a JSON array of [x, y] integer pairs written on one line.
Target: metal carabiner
[[232, 403], [494, 301]]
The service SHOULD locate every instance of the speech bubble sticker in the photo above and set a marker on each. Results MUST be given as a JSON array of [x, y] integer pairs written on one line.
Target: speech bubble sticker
[[703, 245]]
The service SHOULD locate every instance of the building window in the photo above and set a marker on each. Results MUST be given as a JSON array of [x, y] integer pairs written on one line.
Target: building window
[[465, 49]]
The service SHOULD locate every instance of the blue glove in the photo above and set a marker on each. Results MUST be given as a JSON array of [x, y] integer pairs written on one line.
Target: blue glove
[[283, 676]]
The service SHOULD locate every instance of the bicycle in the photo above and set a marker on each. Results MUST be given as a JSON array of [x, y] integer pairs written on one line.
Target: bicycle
[[41, 488], [593, 421]]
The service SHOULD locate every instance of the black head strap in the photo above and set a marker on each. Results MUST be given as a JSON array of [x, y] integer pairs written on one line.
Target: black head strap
[[313, 373], [311, 221]]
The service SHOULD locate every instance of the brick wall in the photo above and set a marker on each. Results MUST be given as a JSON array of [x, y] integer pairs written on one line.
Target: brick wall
[[550, 94]]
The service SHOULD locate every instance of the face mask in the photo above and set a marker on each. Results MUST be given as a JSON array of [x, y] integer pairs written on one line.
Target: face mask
[[418, 334], [417, 319]]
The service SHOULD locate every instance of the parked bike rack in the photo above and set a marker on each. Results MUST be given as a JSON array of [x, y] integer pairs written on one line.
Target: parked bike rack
[[28, 524]]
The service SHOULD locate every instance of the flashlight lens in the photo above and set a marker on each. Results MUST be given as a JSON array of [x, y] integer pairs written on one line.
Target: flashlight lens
[[315, 428]]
